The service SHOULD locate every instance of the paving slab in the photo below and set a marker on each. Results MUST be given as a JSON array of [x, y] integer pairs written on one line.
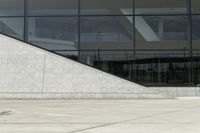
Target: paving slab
[[100, 116]]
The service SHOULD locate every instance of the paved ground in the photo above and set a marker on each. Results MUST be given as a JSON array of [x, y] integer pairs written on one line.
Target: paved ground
[[100, 116]]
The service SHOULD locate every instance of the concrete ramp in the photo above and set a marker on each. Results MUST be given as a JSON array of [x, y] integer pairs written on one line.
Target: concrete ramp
[[29, 72]]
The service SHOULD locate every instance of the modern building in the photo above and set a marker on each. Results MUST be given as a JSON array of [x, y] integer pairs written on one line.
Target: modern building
[[149, 42]]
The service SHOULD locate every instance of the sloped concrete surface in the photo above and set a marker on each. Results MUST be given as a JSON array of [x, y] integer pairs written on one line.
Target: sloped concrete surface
[[29, 72]]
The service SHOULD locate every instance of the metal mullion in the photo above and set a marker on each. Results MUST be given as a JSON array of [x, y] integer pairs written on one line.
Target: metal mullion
[[12, 16], [26, 9], [79, 30], [49, 16], [195, 14], [163, 14], [134, 43], [190, 27], [190, 41], [72, 15]]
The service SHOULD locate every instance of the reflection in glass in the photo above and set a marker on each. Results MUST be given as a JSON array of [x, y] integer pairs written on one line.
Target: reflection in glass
[[55, 34], [12, 26], [160, 28], [106, 33], [107, 7], [195, 6], [160, 6], [11, 7], [196, 27], [53, 7]]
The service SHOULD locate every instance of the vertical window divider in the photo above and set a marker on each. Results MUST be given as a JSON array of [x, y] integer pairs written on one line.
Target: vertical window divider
[[26, 9], [190, 27], [134, 43], [79, 34], [190, 41]]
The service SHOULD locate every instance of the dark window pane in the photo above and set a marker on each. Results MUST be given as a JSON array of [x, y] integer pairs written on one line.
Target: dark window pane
[[107, 43], [196, 31], [53, 7], [106, 7], [58, 34], [160, 6], [11, 7], [12, 26], [106, 32], [116, 62], [162, 55], [196, 27], [195, 6], [162, 30]]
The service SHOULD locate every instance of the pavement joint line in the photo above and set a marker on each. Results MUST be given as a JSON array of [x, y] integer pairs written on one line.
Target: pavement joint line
[[61, 115], [118, 122], [95, 123]]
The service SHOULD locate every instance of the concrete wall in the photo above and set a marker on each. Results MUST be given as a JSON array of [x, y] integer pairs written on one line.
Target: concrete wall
[[179, 91], [30, 72]]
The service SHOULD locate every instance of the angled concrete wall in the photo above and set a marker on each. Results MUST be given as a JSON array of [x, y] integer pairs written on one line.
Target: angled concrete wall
[[30, 72]]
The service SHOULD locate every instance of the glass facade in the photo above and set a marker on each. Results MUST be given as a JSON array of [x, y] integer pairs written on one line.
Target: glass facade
[[150, 42]]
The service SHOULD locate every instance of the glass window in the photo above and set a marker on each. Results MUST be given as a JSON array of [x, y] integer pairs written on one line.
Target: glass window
[[106, 7], [53, 7], [106, 32], [161, 34], [12, 26], [196, 48], [107, 42], [161, 29], [196, 27], [11, 7], [58, 34], [116, 62], [195, 6], [160, 6], [196, 31], [161, 50]]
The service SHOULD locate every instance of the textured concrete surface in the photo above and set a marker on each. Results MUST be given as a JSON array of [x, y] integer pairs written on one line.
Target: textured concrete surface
[[179, 91], [30, 72], [100, 116]]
